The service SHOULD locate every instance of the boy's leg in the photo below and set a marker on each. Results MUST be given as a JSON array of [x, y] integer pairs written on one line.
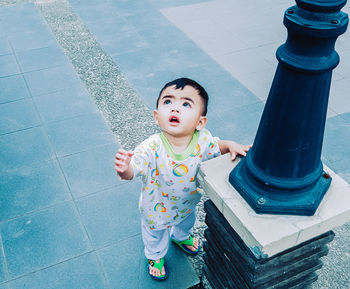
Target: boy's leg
[[183, 230], [156, 246]]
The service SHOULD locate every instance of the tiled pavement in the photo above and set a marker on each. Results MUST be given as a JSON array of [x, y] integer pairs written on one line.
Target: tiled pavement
[[66, 221]]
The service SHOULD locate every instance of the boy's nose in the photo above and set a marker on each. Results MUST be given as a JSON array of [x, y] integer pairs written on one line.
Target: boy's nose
[[175, 110]]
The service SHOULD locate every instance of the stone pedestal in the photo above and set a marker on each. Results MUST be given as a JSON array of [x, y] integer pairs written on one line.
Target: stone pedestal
[[229, 263], [250, 250]]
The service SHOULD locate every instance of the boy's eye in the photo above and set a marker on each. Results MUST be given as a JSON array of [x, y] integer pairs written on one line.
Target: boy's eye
[[167, 101], [186, 104]]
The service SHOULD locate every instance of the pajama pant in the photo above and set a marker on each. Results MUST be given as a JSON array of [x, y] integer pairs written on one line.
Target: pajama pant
[[157, 242]]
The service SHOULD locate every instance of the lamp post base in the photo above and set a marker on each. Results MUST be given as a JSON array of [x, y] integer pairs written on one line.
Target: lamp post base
[[303, 202]]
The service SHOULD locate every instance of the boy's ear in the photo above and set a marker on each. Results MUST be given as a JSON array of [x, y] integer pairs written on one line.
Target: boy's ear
[[202, 122], [155, 116]]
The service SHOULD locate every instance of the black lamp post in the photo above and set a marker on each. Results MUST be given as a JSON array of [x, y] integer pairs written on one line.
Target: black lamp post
[[283, 172]]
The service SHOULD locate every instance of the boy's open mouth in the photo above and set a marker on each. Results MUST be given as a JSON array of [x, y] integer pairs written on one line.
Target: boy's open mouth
[[174, 119]]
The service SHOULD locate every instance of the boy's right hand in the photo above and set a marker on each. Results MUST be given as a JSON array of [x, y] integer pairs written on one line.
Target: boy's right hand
[[122, 161]]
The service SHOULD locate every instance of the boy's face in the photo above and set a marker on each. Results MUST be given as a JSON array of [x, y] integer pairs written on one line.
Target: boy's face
[[179, 111]]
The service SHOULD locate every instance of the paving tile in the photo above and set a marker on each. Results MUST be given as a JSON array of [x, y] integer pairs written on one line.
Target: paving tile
[[239, 124], [5, 47], [28, 40], [91, 171], [43, 239], [23, 148], [139, 65], [129, 254], [8, 65], [337, 138], [81, 272], [10, 20], [89, 12], [2, 265], [79, 134], [150, 19], [119, 43], [173, 3], [32, 188], [4, 286], [112, 215], [258, 83], [113, 24], [225, 92], [51, 80], [18, 115], [244, 62], [127, 8], [338, 97], [13, 88], [41, 58], [53, 106], [22, 15], [342, 168], [165, 38]]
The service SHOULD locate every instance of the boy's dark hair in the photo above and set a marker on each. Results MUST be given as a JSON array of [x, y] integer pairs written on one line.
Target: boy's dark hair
[[180, 83]]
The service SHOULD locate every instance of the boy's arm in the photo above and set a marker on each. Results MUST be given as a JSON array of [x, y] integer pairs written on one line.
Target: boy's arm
[[233, 148], [122, 164]]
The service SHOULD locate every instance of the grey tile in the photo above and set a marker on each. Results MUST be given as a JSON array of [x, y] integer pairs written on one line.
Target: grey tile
[[225, 93], [23, 148], [4, 286], [31, 188], [18, 115], [129, 253], [8, 65], [149, 19], [342, 168], [21, 17], [51, 80], [112, 215], [3, 271], [239, 124], [42, 58], [337, 138], [81, 272], [91, 13], [338, 97], [174, 3], [127, 41], [127, 8], [79, 134], [5, 47], [34, 38], [91, 171], [43, 239], [13, 88], [64, 104]]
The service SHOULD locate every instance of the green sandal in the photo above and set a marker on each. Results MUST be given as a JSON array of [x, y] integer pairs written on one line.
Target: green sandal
[[188, 242], [159, 266]]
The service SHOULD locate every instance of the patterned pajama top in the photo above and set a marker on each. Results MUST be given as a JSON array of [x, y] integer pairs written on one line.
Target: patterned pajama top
[[169, 187]]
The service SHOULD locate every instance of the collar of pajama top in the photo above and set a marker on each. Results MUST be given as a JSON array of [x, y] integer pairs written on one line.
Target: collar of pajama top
[[169, 188]]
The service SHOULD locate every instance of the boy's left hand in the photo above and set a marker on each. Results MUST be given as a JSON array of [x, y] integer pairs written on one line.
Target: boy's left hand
[[238, 149], [233, 148]]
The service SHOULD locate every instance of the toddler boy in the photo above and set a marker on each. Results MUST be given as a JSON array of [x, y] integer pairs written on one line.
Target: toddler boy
[[167, 164]]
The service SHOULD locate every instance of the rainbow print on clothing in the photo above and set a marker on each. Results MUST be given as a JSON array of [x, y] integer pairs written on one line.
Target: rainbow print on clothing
[[180, 170], [196, 151], [159, 207], [154, 173]]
